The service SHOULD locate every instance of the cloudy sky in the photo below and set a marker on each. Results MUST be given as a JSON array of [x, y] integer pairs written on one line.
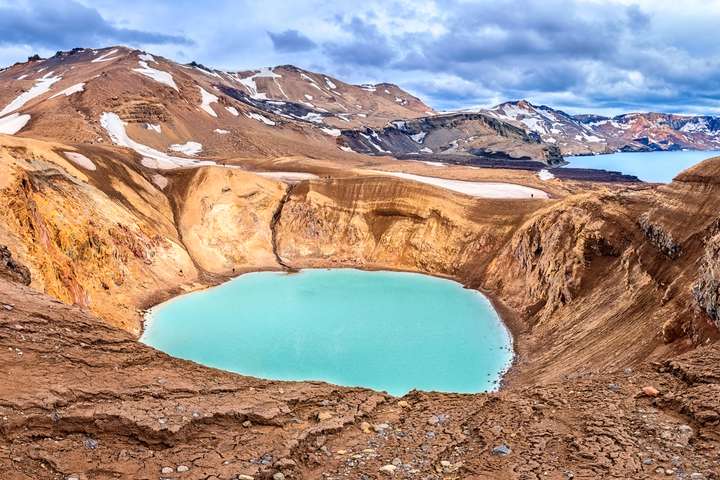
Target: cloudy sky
[[604, 56]]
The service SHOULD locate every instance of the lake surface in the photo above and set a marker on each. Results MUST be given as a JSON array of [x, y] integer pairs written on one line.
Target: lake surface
[[659, 167], [389, 331]]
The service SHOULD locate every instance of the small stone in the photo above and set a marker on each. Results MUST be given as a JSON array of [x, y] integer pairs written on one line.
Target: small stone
[[659, 470], [501, 449], [647, 461], [284, 463], [445, 463], [8, 307], [697, 476], [166, 470], [434, 420], [182, 468], [278, 476], [365, 427], [341, 452], [72, 477], [324, 416], [669, 471], [403, 404], [628, 371], [614, 387], [380, 427], [650, 391], [90, 443], [247, 424], [396, 461], [245, 477], [388, 469]]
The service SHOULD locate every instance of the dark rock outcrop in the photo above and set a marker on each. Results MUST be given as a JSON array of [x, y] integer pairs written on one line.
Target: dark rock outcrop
[[11, 269]]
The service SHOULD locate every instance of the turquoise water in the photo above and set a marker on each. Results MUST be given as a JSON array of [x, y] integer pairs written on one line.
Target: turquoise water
[[659, 167], [387, 331]]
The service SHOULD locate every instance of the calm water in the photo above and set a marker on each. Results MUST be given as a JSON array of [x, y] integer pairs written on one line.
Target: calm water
[[659, 167], [383, 330]]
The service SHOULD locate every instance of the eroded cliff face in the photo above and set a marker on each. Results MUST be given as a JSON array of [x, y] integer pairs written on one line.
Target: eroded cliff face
[[379, 222], [225, 218], [707, 287]]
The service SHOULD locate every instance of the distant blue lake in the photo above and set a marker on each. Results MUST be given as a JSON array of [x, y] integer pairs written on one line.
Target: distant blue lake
[[388, 331], [658, 167]]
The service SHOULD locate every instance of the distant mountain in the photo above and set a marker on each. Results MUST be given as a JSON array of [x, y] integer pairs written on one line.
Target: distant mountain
[[473, 134], [590, 134], [656, 131], [555, 127]]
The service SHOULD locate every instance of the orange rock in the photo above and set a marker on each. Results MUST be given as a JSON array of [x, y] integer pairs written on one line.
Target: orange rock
[[650, 391]]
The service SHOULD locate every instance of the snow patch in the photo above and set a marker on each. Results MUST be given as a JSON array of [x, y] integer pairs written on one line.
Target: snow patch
[[331, 131], [154, 127], [80, 160], [233, 111], [13, 123], [105, 57], [188, 148], [309, 97], [330, 84], [249, 82], [475, 189], [220, 131], [287, 177], [41, 86], [159, 181], [158, 75], [260, 118], [21, 77], [418, 137], [78, 87], [147, 57], [545, 175], [206, 99]]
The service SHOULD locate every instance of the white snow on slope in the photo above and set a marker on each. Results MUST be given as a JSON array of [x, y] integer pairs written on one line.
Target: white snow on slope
[[154, 127], [249, 82], [330, 84], [188, 148], [418, 137], [260, 118], [157, 75], [152, 158], [232, 111], [41, 86], [21, 77], [12, 124], [78, 87], [147, 57], [80, 160], [207, 99], [104, 57], [287, 177], [220, 131], [334, 132], [475, 189], [545, 175]]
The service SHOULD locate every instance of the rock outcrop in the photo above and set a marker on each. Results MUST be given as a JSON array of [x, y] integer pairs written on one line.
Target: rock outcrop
[[11, 269]]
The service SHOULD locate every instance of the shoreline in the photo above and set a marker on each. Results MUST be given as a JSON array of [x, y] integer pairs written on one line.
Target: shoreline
[[508, 317]]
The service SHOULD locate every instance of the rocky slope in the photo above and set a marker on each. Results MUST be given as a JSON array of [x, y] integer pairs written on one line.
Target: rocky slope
[[474, 135]]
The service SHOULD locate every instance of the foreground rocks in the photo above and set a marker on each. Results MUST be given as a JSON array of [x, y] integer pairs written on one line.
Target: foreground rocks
[[82, 399]]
